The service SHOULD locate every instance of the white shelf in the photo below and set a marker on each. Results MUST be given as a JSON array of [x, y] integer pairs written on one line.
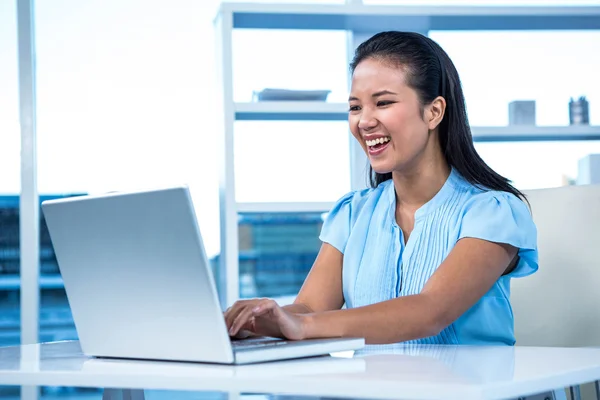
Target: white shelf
[[284, 207], [291, 111], [323, 111], [370, 18], [525, 133]]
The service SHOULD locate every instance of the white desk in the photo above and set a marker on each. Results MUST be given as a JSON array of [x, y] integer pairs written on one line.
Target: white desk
[[378, 372]]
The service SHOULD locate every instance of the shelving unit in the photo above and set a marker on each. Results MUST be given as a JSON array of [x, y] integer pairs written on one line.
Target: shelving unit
[[319, 111], [283, 207], [360, 21]]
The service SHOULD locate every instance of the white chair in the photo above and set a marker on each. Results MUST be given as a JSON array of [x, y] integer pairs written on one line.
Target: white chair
[[559, 305]]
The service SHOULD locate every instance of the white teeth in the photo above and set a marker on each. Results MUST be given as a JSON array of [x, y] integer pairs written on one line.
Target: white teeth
[[377, 141]]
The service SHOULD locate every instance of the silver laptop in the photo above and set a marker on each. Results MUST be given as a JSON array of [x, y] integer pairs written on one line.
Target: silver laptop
[[140, 286]]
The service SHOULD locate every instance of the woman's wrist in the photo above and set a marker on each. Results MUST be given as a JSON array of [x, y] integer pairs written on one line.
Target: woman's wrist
[[308, 326], [318, 325], [297, 308]]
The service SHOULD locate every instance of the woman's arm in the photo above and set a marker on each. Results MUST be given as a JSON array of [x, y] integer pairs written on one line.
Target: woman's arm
[[322, 288], [321, 291], [468, 272]]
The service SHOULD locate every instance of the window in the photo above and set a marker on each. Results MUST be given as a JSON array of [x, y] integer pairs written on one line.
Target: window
[[10, 184], [125, 101]]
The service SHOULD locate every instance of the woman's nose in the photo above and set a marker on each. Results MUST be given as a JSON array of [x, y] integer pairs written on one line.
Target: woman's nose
[[367, 122]]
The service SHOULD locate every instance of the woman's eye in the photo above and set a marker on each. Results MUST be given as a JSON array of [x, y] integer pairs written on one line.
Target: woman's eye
[[354, 108], [384, 103]]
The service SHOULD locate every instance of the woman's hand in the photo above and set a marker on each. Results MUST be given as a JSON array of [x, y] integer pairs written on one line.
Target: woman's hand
[[264, 317]]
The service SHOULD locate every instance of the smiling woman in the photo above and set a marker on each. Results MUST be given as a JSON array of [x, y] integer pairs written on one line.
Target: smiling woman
[[427, 253]]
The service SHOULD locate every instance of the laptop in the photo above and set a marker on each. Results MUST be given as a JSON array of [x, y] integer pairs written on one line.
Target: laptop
[[140, 285]]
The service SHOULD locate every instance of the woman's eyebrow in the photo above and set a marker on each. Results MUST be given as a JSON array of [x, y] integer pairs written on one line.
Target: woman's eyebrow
[[382, 92], [376, 94]]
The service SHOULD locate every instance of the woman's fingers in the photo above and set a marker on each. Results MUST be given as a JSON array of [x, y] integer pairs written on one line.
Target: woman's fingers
[[241, 320], [289, 325], [265, 307], [232, 312], [241, 316], [243, 334], [246, 314]]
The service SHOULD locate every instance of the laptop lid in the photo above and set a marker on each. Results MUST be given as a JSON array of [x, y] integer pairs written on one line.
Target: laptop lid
[[137, 277]]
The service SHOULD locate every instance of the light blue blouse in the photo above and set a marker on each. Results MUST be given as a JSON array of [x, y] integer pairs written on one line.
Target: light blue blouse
[[378, 266]]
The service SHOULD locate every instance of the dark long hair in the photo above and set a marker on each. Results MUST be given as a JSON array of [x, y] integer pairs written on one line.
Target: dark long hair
[[431, 73]]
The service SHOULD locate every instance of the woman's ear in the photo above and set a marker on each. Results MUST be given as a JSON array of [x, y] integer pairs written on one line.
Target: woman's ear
[[437, 108]]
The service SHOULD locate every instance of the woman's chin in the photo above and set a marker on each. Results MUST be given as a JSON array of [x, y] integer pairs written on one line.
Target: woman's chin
[[381, 169]]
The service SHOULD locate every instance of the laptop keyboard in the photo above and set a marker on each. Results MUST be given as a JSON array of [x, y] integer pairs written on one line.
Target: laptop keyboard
[[255, 343]]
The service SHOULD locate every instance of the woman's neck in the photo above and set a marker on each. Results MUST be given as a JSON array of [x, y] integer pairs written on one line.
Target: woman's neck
[[419, 185]]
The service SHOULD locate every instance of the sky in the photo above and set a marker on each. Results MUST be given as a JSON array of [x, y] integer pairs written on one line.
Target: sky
[[127, 98]]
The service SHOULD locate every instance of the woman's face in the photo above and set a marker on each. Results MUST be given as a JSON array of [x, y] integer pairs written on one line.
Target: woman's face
[[386, 118]]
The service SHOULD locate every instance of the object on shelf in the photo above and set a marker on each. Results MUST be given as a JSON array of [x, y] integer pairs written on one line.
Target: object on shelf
[[567, 180], [589, 170], [579, 111], [271, 94], [521, 112]]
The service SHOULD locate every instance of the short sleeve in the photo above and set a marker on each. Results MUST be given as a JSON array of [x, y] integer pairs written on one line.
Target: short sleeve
[[503, 218], [336, 227]]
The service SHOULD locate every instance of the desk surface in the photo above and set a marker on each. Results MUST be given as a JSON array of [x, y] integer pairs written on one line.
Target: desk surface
[[381, 372]]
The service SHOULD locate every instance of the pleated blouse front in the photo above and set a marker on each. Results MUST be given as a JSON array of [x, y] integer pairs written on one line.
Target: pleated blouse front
[[378, 265]]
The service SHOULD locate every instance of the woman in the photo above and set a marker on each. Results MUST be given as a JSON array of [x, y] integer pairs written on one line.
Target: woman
[[427, 253]]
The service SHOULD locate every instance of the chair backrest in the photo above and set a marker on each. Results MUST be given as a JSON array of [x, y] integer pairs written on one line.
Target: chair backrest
[[559, 305]]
